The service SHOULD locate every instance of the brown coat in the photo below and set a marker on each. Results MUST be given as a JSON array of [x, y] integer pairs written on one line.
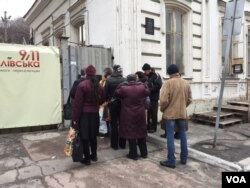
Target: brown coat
[[175, 96]]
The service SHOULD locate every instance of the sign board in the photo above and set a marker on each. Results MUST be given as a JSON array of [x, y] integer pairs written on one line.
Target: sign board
[[149, 25], [30, 83], [234, 12]]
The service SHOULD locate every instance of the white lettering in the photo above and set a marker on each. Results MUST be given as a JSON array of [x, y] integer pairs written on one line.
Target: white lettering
[[242, 179], [229, 179], [236, 179]]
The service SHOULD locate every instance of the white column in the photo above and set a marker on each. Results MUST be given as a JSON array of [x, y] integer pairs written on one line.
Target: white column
[[127, 48]]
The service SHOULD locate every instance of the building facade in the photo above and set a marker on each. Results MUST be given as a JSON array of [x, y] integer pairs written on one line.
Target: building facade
[[159, 32]]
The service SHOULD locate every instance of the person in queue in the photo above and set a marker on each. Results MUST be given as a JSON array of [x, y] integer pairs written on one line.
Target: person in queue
[[111, 84], [89, 96], [175, 96], [154, 83], [132, 118]]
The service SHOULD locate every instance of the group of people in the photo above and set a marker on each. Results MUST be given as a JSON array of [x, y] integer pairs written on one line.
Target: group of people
[[128, 113]]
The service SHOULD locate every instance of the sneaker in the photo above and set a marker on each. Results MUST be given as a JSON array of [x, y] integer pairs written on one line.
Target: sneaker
[[167, 164], [85, 161]]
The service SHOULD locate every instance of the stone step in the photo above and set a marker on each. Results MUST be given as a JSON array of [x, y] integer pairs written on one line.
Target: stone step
[[233, 108], [223, 122], [213, 115], [238, 103], [230, 121]]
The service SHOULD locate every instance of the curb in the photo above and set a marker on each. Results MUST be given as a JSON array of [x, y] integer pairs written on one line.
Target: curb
[[197, 155]]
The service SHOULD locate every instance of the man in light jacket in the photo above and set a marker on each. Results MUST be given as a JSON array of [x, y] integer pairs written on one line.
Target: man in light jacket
[[175, 96]]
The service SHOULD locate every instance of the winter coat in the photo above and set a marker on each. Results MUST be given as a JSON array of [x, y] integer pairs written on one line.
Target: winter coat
[[83, 102], [154, 83], [74, 87], [175, 96], [132, 116], [112, 82]]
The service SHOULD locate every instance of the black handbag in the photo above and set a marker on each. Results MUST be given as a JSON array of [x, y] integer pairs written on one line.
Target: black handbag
[[77, 152], [67, 110]]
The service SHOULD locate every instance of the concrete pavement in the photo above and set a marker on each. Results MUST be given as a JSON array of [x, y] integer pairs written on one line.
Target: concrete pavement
[[232, 151], [36, 159]]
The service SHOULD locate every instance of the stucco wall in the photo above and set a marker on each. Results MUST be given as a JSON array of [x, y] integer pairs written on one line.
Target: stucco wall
[[121, 26], [101, 22]]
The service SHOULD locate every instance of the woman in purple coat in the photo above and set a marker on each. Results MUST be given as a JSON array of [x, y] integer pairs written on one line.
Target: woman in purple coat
[[132, 116]]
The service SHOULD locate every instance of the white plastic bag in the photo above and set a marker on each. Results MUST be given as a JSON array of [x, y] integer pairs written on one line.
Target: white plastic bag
[[103, 125]]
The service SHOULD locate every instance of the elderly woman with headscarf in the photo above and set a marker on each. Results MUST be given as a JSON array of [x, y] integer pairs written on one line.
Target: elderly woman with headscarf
[[89, 95], [132, 117]]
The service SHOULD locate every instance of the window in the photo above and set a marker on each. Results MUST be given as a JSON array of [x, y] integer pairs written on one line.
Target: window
[[174, 38], [82, 34], [229, 71]]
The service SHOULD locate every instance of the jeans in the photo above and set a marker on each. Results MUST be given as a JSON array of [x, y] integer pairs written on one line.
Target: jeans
[[170, 123]]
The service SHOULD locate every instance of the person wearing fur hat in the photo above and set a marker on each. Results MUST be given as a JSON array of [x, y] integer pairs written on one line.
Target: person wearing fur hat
[[85, 116], [154, 83], [114, 80], [132, 119], [175, 96]]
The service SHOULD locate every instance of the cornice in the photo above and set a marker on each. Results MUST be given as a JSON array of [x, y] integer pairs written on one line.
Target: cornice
[[59, 19], [76, 5], [222, 6], [180, 4], [77, 13], [35, 10], [45, 32]]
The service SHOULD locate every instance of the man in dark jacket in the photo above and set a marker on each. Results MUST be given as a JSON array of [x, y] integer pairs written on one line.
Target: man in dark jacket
[[154, 84], [76, 83], [111, 84]]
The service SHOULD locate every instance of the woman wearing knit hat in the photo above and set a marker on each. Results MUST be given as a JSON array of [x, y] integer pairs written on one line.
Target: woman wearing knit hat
[[175, 96], [89, 95]]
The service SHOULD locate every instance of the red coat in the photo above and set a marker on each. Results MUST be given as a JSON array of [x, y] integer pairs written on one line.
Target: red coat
[[83, 102], [132, 115]]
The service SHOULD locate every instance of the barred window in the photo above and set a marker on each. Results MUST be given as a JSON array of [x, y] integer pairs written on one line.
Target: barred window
[[174, 38]]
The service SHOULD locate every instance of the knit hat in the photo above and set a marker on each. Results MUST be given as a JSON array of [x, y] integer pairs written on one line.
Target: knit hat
[[172, 69], [131, 77], [90, 70], [117, 68], [146, 66]]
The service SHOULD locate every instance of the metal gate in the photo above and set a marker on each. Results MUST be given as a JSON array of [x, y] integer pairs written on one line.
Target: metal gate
[[76, 57]]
